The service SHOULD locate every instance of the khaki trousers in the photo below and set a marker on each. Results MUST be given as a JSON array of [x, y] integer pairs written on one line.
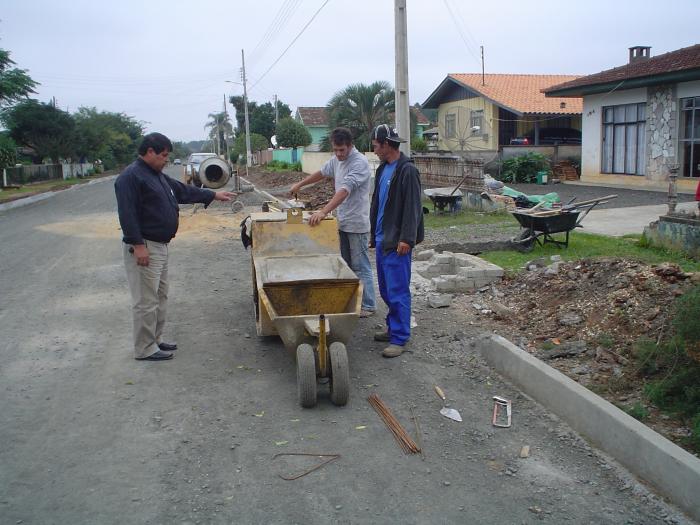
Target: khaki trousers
[[149, 296]]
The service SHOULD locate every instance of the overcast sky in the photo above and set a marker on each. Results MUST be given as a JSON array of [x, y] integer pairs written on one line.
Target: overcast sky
[[166, 62]]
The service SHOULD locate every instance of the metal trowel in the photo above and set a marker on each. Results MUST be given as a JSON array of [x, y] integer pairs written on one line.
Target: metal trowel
[[450, 413]]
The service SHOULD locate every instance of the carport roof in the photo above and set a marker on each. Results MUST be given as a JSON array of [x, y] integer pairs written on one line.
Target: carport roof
[[521, 94]]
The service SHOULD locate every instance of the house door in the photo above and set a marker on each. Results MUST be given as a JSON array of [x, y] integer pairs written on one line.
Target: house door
[[690, 137]]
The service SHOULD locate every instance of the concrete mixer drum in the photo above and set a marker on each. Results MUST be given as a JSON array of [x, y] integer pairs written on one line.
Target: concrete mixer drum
[[213, 173]]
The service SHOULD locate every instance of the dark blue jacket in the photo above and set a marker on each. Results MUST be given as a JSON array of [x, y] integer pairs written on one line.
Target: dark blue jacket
[[403, 212], [148, 203]]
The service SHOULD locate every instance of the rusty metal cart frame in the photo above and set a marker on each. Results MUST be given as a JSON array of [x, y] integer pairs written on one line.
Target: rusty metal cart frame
[[305, 293]]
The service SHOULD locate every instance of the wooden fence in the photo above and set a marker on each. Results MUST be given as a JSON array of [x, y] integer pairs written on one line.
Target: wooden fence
[[29, 174], [448, 170]]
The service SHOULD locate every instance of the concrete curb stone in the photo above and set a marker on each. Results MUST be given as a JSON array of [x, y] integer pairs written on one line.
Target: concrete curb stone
[[18, 203], [674, 472]]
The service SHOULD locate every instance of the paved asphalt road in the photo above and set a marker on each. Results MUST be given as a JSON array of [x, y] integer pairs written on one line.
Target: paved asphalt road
[[89, 435]]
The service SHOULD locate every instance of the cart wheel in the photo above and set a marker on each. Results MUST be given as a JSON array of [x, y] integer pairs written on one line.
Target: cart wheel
[[237, 206], [306, 376], [526, 240], [340, 374]]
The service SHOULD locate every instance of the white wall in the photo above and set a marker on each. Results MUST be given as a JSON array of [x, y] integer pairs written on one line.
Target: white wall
[[689, 89], [592, 125]]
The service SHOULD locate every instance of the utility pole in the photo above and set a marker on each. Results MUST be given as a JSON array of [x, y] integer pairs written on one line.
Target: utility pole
[[277, 113], [401, 103], [483, 78], [248, 155], [223, 123]]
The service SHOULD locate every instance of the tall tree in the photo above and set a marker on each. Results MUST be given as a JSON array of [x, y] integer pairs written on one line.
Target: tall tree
[[360, 107], [219, 128], [257, 143], [262, 121], [292, 133], [261, 117], [15, 84], [237, 102], [111, 137], [42, 127]]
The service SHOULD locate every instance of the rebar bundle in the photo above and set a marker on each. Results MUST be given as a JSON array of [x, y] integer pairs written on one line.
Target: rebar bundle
[[405, 442]]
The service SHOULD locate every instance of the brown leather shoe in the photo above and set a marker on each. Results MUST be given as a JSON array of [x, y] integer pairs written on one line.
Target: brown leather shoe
[[384, 336], [392, 351]]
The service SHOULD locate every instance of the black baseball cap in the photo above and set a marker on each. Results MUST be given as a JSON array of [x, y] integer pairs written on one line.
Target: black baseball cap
[[384, 132]]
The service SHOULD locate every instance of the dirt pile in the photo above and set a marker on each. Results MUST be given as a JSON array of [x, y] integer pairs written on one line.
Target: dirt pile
[[604, 302], [584, 318], [278, 184]]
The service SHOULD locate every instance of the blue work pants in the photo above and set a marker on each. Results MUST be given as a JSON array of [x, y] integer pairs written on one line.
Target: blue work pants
[[394, 279]]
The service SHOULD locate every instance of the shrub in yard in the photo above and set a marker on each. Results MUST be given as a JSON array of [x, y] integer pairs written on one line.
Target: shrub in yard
[[674, 365], [419, 145], [524, 168], [8, 151]]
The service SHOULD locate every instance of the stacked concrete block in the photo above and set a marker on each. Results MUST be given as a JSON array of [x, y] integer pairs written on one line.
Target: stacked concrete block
[[457, 272], [425, 255]]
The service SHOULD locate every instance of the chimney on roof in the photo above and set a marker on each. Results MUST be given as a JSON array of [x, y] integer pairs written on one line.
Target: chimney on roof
[[638, 53]]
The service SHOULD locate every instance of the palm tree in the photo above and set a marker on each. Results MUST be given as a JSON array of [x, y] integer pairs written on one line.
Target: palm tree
[[219, 127], [360, 108]]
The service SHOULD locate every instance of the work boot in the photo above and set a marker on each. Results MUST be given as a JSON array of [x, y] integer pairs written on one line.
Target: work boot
[[383, 336], [392, 351]]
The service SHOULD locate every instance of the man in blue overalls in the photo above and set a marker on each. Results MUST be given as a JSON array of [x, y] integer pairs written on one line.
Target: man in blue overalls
[[396, 220]]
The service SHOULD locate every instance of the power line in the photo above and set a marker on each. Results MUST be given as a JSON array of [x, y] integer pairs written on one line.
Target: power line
[[465, 26], [459, 30], [285, 11], [291, 44]]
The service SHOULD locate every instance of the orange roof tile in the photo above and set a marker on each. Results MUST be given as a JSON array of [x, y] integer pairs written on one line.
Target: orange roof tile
[[522, 93]]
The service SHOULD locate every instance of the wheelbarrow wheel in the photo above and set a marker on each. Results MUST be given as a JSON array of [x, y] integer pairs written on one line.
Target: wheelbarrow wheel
[[340, 374], [306, 376], [525, 240]]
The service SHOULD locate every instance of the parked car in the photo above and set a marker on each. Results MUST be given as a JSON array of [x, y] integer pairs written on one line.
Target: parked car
[[177, 161], [193, 162], [519, 141]]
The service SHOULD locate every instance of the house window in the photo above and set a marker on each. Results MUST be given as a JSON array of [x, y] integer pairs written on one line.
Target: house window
[[450, 125], [624, 139], [690, 137], [477, 121]]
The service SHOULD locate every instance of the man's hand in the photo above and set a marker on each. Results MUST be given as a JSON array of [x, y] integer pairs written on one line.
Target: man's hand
[[317, 217], [141, 254], [294, 190], [224, 195], [403, 248]]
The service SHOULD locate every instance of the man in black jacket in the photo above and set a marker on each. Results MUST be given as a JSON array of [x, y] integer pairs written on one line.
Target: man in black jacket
[[147, 201], [396, 220]]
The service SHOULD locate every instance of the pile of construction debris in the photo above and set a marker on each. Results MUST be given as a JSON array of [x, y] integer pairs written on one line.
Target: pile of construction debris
[[593, 307], [278, 183], [583, 318]]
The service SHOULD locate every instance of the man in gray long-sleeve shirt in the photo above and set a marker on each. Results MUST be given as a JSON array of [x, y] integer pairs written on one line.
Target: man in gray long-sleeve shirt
[[351, 172], [147, 201]]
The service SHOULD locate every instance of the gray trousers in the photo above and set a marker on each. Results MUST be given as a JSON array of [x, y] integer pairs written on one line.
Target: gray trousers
[[149, 296]]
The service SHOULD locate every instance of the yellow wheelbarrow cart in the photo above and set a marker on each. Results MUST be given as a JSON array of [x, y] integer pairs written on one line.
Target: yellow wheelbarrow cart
[[305, 293]]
